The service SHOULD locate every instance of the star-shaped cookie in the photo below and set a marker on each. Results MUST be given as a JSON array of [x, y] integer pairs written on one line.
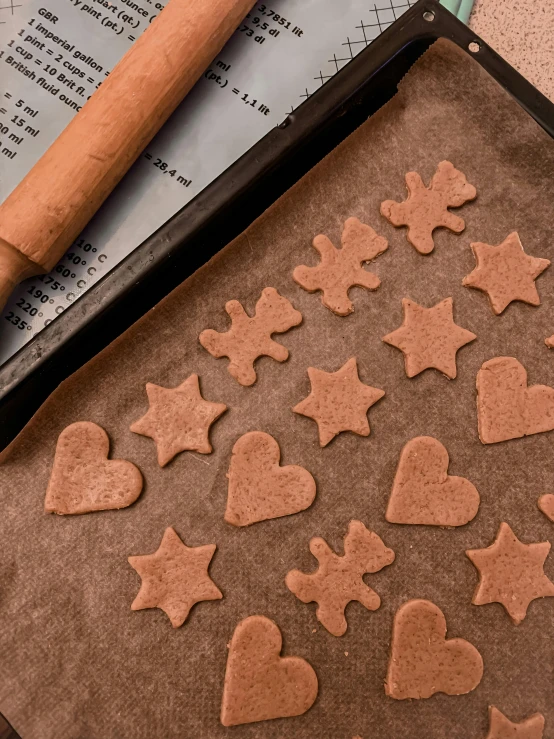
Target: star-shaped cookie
[[339, 401], [178, 420], [506, 273], [429, 338], [501, 728], [174, 578], [511, 573]]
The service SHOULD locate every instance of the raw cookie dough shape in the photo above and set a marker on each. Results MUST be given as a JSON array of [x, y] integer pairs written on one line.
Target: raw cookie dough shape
[[178, 419], [550, 342], [341, 269], [250, 338], [506, 407], [259, 488], [506, 273], [423, 661], [338, 401], [501, 728], [338, 579], [426, 208], [546, 505], [259, 683], [511, 573], [424, 493], [174, 578], [429, 338], [83, 479]]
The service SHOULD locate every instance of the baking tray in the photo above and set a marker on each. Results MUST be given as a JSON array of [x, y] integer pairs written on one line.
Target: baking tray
[[235, 199]]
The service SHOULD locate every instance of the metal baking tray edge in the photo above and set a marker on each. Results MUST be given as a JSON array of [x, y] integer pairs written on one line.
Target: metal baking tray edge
[[235, 199]]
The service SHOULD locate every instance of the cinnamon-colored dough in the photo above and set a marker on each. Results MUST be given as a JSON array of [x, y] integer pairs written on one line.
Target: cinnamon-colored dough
[[502, 728], [338, 579], [506, 273], [83, 479], [426, 208], [339, 401], [429, 338], [423, 662], [174, 578], [506, 407], [511, 573], [250, 338], [178, 419], [424, 493], [546, 505], [341, 269], [259, 488], [259, 683]]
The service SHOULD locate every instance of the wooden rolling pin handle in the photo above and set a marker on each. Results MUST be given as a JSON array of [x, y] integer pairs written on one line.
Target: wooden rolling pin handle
[[48, 209], [14, 267]]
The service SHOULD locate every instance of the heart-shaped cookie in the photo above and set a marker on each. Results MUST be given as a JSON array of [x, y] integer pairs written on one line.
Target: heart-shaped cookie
[[506, 407], [259, 488], [259, 683], [424, 493], [83, 479], [423, 661]]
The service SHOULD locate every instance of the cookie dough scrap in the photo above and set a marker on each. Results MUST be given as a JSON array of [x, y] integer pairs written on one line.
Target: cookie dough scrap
[[341, 269], [502, 728], [259, 488], [426, 208], [506, 273], [178, 419], [83, 479], [338, 579], [546, 505], [338, 401], [423, 661], [250, 338], [550, 342], [174, 578], [511, 573], [506, 407], [424, 493], [259, 683], [429, 338]]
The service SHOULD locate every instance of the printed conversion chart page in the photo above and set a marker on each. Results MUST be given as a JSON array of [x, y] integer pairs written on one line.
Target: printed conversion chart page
[[55, 53]]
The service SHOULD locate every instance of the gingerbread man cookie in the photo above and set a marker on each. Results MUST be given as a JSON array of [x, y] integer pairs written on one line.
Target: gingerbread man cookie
[[341, 269], [250, 338], [426, 208], [338, 579]]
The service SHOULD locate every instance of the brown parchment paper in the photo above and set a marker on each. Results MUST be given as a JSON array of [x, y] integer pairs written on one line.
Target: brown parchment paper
[[76, 662]]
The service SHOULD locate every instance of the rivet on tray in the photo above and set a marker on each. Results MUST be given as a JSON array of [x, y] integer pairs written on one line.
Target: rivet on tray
[[428, 15], [288, 120]]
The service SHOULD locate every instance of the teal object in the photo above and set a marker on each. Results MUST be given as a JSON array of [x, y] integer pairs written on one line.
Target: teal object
[[460, 8], [466, 6]]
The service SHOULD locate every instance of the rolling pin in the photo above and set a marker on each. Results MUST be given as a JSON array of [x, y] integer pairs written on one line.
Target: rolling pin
[[42, 217]]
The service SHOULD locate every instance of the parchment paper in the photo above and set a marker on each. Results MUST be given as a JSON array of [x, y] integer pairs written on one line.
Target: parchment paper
[[76, 662]]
